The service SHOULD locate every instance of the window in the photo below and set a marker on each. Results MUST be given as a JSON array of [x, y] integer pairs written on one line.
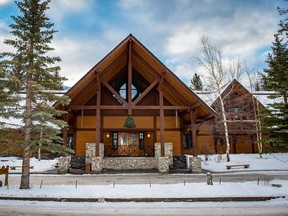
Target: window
[[141, 140], [187, 142], [114, 140], [127, 138], [123, 91]]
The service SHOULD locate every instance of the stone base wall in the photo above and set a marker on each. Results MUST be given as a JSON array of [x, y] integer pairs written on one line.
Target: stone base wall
[[129, 163]]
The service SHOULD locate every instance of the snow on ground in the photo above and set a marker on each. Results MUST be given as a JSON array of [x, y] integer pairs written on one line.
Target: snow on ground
[[189, 190], [277, 161], [38, 166], [267, 164], [227, 189]]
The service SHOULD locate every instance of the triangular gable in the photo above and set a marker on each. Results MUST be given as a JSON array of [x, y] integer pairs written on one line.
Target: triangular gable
[[236, 86], [148, 67]]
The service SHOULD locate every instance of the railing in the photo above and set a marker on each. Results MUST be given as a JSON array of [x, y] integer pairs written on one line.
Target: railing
[[129, 151]]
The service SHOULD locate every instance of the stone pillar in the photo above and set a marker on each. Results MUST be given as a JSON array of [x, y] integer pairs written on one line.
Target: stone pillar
[[163, 164], [97, 164], [169, 152], [101, 150], [89, 154], [157, 150], [195, 164], [63, 165]]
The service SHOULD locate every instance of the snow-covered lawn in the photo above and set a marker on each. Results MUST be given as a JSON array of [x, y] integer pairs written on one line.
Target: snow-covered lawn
[[189, 190], [180, 190], [225, 189], [277, 161]]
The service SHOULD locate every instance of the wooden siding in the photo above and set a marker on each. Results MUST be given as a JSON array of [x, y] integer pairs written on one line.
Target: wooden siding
[[169, 122], [173, 137], [118, 121], [83, 137]]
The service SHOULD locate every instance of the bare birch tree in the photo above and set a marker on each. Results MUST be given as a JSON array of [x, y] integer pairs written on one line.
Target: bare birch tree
[[253, 83], [218, 74]]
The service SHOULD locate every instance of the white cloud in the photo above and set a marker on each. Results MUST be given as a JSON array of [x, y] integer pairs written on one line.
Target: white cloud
[[59, 8], [2, 2]]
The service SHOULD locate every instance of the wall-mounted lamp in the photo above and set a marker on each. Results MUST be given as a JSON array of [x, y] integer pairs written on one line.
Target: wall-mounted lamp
[[148, 135], [108, 135]]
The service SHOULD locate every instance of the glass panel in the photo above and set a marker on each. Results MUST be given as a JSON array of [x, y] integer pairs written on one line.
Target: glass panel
[[123, 139], [132, 139]]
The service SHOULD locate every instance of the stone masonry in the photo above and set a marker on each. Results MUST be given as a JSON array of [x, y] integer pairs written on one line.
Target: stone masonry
[[63, 165], [195, 164]]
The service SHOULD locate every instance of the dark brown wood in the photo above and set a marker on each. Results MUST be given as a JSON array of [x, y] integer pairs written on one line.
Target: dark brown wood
[[161, 102], [98, 116], [5, 171], [129, 87], [193, 131], [147, 90], [114, 92], [111, 107], [65, 132]]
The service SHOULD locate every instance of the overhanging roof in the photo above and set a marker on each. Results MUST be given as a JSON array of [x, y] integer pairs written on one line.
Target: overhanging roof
[[146, 64]]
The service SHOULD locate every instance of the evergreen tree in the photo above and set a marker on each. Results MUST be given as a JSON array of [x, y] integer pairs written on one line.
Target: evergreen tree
[[196, 83], [284, 22], [38, 78], [275, 77]]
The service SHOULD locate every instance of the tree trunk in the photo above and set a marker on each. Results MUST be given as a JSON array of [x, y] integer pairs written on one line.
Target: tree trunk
[[225, 126], [25, 177]]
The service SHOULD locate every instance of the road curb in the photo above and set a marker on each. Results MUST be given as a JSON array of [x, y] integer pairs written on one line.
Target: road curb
[[172, 199]]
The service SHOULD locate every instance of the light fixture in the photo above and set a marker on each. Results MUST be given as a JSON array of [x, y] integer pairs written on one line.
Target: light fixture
[[148, 135], [108, 135]]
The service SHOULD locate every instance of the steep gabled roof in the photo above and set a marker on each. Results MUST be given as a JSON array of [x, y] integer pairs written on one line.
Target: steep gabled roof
[[146, 64], [236, 86]]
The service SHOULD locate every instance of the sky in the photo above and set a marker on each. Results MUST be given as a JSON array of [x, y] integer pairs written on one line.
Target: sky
[[171, 29]]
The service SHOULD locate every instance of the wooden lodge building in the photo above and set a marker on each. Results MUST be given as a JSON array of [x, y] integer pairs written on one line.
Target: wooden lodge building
[[129, 102], [241, 108]]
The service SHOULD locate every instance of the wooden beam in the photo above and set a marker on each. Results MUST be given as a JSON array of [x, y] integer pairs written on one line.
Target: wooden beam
[[98, 114], [111, 65], [146, 64], [112, 90], [161, 102], [173, 89], [65, 129], [193, 131], [147, 90], [111, 107], [129, 87]]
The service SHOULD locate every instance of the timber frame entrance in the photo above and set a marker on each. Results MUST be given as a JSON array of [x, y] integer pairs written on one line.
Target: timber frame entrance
[[131, 81]]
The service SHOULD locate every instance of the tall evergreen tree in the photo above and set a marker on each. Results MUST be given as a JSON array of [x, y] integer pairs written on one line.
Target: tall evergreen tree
[[196, 83], [38, 78], [275, 118], [275, 78]]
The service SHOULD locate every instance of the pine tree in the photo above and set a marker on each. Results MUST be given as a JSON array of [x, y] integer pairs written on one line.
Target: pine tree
[[38, 78], [196, 83], [275, 77]]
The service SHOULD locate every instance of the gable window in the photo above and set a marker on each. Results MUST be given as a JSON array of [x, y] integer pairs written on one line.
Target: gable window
[[123, 91]]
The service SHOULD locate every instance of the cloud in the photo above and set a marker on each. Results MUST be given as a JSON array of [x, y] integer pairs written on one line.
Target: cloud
[[60, 8], [3, 2]]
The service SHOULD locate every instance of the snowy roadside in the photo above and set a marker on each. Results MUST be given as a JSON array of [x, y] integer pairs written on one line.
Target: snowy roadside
[[173, 190]]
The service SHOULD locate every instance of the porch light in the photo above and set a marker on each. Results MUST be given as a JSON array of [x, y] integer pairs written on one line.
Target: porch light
[[148, 135], [108, 135]]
